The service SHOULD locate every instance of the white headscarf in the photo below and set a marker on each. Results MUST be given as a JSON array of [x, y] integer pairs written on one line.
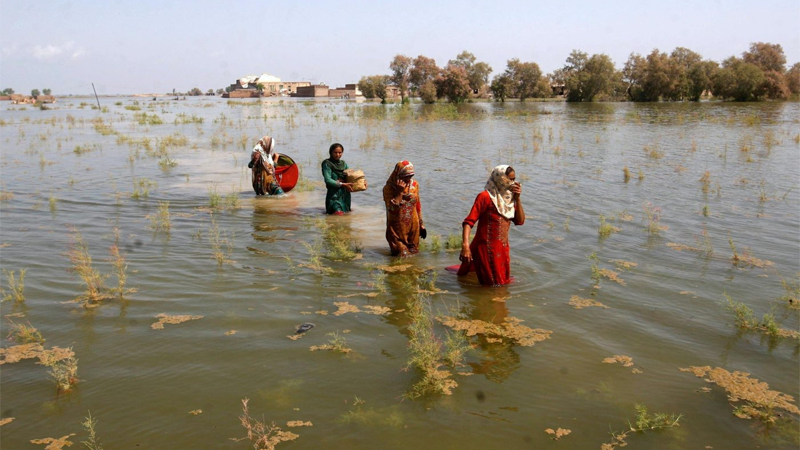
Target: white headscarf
[[502, 197], [265, 145]]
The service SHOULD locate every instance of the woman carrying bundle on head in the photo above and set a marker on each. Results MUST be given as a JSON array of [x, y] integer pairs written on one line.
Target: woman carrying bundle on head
[[262, 161], [404, 224], [494, 209]]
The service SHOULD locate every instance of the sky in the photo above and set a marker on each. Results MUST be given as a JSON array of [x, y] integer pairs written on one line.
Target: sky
[[145, 46]]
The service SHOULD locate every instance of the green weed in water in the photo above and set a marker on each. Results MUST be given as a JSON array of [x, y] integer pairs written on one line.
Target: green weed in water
[[453, 242], [24, 334], [16, 286], [148, 119], [214, 199], [161, 221], [64, 372], [644, 422], [426, 353], [606, 229], [89, 424], [221, 245], [742, 314], [120, 267], [82, 265]]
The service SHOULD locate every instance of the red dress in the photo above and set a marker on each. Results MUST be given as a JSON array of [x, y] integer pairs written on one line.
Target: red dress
[[489, 248]]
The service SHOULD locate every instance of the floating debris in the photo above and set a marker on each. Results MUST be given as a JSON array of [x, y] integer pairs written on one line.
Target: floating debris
[[626, 361], [298, 423], [321, 312], [760, 401], [345, 307], [510, 329], [54, 444], [377, 310], [395, 268], [230, 332], [173, 320], [613, 276], [580, 303], [196, 412], [687, 292], [683, 247], [304, 328], [5, 421], [558, 433], [34, 350], [315, 348], [359, 294], [623, 265]]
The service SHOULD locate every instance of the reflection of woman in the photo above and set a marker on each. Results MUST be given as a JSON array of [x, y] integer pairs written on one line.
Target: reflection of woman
[[494, 210], [403, 210], [337, 201], [262, 161]]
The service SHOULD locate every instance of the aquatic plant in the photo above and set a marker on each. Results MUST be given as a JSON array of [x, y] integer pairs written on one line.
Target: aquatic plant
[[746, 258], [64, 372], [745, 320], [705, 180], [652, 151], [15, 285], [120, 267], [141, 188], [336, 343], [339, 244], [161, 220], [263, 436], [743, 315], [89, 424], [706, 211], [453, 242], [231, 200], [214, 199], [148, 119], [626, 174], [644, 422], [24, 334], [81, 260], [760, 402], [792, 289], [220, 243], [653, 216], [596, 275], [427, 353], [605, 229], [640, 175], [379, 281]]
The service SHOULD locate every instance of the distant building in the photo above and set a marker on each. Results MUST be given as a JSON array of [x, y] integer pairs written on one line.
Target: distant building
[[317, 90], [248, 86], [348, 91]]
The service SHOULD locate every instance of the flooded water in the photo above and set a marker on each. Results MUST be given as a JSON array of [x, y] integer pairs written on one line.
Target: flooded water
[[76, 169]]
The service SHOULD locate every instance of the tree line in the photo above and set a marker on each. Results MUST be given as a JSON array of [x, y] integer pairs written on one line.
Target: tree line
[[34, 92], [682, 75]]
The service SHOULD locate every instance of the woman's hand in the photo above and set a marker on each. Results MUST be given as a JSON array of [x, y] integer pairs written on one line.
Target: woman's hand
[[466, 255], [401, 184], [516, 189], [348, 186]]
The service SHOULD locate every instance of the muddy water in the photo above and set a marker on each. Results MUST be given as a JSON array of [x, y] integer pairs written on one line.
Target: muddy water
[[141, 383]]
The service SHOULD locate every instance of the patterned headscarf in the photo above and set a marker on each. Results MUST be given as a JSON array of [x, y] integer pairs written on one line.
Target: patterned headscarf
[[401, 170], [498, 188]]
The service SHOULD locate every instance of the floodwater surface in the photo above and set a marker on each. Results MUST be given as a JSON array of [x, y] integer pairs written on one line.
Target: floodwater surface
[[703, 179]]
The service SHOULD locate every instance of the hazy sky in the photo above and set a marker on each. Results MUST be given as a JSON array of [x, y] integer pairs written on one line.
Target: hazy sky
[[154, 46]]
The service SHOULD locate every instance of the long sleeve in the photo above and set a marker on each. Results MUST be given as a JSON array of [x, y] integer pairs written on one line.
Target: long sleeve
[[327, 175], [477, 210], [419, 205]]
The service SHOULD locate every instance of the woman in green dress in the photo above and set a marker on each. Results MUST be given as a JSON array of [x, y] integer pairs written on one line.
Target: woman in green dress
[[337, 201]]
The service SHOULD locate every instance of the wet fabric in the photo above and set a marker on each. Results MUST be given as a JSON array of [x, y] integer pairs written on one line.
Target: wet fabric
[[338, 198], [263, 175], [490, 250], [403, 217], [498, 189]]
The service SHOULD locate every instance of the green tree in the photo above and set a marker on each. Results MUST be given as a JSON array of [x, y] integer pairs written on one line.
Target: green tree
[[220, 91], [35, 92], [477, 72], [738, 80], [195, 91], [374, 86], [525, 77], [453, 84], [210, 92], [700, 77], [502, 87], [46, 91], [8, 91], [423, 70], [681, 60], [427, 92], [587, 78], [400, 67]]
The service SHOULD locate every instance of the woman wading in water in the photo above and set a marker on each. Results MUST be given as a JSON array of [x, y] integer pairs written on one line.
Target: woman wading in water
[[337, 200], [403, 211], [494, 209], [262, 161]]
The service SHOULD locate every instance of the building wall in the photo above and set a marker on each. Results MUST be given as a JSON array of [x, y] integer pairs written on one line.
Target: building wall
[[312, 91], [241, 93]]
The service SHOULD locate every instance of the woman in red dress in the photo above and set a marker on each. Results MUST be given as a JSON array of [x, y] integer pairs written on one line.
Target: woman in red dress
[[494, 210]]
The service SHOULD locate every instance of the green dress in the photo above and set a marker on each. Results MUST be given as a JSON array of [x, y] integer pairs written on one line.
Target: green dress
[[338, 198]]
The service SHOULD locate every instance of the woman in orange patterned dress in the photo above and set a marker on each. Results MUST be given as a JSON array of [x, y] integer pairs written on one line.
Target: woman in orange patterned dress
[[403, 211]]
